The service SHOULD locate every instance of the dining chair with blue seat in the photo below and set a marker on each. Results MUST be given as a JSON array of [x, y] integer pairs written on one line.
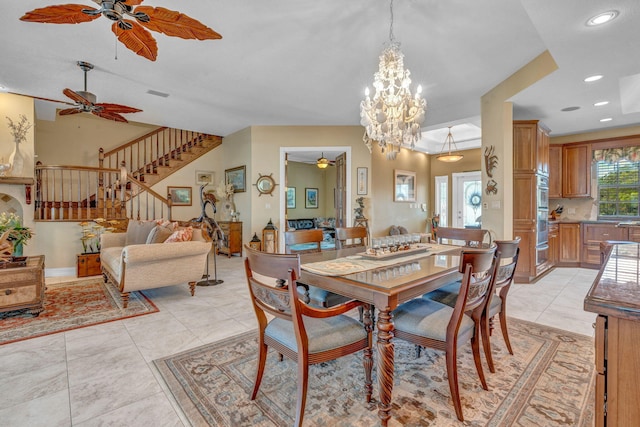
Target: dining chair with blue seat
[[301, 332], [429, 323], [317, 296], [509, 252]]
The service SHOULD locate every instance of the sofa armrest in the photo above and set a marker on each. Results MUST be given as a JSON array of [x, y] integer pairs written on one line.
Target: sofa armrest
[[110, 240]]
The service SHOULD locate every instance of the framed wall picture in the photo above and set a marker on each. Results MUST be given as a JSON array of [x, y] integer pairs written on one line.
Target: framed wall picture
[[205, 177], [311, 198], [291, 197], [237, 177], [363, 178], [404, 186], [180, 196]]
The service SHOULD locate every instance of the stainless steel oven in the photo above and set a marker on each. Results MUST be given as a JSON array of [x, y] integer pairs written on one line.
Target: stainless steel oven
[[542, 226], [542, 254], [543, 192]]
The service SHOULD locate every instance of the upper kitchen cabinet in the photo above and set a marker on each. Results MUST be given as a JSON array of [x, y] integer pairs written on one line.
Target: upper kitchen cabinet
[[555, 171], [576, 170], [530, 147]]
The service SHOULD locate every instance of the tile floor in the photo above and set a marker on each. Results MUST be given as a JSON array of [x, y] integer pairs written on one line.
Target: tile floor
[[103, 375]]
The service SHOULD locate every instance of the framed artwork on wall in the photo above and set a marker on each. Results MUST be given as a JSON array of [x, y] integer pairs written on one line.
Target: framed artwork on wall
[[404, 186], [291, 197], [204, 177], [311, 198], [363, 178], [180, 196], [237, 177]]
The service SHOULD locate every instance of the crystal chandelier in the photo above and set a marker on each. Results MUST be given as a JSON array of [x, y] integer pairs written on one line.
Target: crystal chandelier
[[448, 157], [393, 117]]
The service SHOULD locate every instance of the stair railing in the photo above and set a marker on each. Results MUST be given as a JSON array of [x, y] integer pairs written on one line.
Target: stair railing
[[78, 193], [144, 154]]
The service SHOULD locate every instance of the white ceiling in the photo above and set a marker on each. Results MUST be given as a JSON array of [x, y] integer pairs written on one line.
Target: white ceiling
[[304, 62]]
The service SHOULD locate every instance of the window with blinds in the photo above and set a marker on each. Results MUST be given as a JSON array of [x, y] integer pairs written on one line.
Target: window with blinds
[[618, 188]]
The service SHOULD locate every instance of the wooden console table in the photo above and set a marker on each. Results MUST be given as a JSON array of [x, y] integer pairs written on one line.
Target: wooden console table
[[22, 288], [232, 243]]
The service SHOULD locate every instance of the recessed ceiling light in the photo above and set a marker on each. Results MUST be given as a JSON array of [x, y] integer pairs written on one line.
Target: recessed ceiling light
[[602, 18], [608, 119], [600, 104], [593, 78], [570, 108]]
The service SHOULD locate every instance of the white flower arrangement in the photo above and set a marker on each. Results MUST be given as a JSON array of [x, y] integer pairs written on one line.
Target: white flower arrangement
[[19, 130], [225, 191]]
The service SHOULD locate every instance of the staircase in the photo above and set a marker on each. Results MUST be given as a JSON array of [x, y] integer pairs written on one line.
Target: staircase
[[120, 187]]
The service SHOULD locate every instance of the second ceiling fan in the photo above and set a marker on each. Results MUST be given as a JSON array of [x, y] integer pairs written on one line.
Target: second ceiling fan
[[86, 102]]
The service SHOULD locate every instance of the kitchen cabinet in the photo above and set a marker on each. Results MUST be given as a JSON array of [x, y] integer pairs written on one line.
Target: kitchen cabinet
[[615, 297], [576, 170], [570, 245], [634, 234], [553, 243], [592, 236], [555, 171], [530, 147], [232, 242]]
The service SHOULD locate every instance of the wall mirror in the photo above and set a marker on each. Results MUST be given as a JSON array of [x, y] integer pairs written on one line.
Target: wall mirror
[[265, 185]]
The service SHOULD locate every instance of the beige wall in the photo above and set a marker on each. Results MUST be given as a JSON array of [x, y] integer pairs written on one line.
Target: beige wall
[[471, 162], [304, 175], [381, 210], [497, 130], [75, 139], [13, 106]]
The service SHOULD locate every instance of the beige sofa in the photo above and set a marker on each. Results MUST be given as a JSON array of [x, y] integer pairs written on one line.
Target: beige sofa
[[136, 267]]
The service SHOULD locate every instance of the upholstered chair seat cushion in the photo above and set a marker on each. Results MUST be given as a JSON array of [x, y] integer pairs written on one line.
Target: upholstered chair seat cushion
[[324, 334], [429, 319], [447, 294], [496, 305]]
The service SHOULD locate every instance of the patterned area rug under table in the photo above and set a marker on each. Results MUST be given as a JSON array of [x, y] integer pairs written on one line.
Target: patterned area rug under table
[[72, 305], [549, 381]]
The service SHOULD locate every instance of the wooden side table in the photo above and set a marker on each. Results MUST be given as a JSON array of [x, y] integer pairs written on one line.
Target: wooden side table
[[232, 244], [88, 265], [23, 287]]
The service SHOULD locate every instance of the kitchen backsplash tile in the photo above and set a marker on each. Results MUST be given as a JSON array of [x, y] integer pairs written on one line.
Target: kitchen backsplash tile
[[576, 209]]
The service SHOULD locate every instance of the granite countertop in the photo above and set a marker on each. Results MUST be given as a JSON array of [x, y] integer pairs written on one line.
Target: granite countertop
[[585, 221], [616, 290]]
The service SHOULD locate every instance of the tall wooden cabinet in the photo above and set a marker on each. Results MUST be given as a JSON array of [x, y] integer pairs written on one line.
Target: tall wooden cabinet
[[570, 245], [530, 166], [232, 243], [576, 170], [555, 172]]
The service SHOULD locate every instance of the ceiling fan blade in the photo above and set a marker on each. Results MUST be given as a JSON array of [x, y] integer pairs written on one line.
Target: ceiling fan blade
[[76, 97], [117, 108], [176, 24], [69, 111], [137, 39], [109, 116], [60, 14], [132, 2], [43, 99]]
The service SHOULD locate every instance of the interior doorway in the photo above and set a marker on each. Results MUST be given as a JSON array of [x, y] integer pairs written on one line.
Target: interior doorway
[[341, 198], [467, 200]]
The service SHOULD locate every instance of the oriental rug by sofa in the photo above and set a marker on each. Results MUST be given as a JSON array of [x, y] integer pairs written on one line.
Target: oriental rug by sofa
[[549, 381], [72, 305]]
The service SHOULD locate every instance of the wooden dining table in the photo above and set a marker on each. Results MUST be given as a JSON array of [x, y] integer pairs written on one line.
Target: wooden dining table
[[386, 287]]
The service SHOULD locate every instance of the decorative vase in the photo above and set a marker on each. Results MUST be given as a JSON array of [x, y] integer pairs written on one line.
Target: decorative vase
[[16, 161], [227, 208], [17, 249]]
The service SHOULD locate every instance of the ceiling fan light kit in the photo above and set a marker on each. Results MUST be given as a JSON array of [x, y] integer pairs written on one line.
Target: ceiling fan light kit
[[134, 33], [86, 102]]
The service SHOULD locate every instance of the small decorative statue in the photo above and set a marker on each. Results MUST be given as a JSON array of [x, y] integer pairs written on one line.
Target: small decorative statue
[[360, 209]]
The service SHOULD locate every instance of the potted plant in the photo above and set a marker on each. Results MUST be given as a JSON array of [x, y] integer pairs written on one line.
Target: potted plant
[[19, 235]]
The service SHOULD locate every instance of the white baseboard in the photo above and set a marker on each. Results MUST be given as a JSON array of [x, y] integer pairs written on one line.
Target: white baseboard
[[59, 272]]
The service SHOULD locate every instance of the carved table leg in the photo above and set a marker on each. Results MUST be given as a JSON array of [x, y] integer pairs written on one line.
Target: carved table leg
[[385, 363], [368, 360]]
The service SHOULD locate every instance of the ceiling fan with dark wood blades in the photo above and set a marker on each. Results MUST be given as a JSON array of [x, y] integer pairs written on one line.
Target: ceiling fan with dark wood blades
[[86, 102], [130, 32]]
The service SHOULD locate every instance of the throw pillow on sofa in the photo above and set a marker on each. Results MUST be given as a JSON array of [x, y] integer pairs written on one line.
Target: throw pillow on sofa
[[181, 235], [159, 234], [138, 231]]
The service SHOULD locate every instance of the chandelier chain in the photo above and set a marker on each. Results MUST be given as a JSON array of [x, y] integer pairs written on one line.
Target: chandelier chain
[[391, 35]]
